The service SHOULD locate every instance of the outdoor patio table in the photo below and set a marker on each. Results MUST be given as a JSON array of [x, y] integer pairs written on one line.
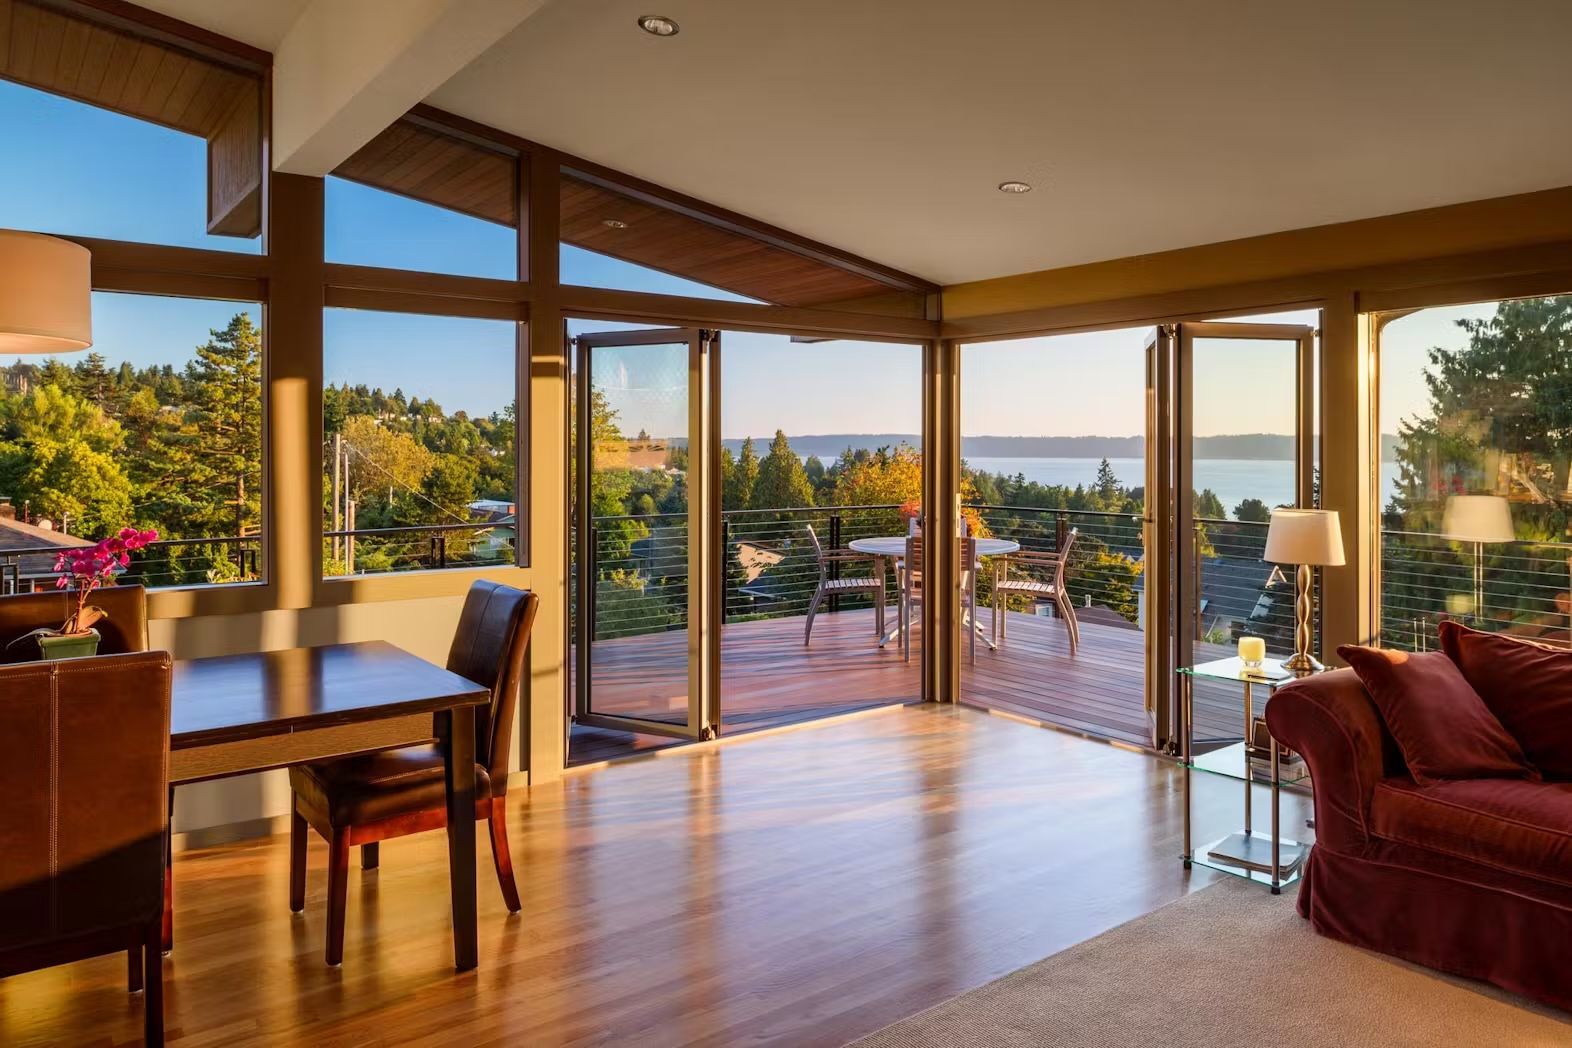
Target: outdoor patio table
[[888, 550]]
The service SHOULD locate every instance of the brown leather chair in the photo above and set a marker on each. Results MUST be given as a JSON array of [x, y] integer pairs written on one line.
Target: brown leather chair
[[370, 798], [84, 825], [124, 630]]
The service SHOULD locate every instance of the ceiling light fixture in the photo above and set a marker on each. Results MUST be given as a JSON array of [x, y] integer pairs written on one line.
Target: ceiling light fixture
[[1015, 187], [613, 223], [658, 25]]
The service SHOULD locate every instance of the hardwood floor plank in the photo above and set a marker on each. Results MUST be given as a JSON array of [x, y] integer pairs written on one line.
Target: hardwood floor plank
[[803, 888]]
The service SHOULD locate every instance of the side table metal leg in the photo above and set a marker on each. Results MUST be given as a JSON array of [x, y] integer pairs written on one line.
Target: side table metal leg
[[1277, 839], [1249, 719], [1185, 686]]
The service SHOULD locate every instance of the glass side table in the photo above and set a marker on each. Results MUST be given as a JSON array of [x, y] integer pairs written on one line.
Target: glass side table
[[1273, 860]]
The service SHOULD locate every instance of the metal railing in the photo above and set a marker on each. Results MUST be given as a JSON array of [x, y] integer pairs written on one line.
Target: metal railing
[[418, 547], [160, 565], [1426, 579]]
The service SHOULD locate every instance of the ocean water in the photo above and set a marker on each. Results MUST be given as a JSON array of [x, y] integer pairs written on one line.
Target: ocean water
[[1233, 480]]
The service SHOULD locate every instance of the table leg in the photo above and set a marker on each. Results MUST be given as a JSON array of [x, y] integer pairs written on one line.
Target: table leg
[[1249, 739], [167, 921], [1277, 838], [459, 780]]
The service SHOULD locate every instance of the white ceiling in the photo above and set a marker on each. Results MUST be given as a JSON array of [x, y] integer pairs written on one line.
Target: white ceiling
[[260, 23], [883, 126]]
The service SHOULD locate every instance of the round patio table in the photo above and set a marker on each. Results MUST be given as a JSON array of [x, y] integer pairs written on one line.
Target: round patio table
[[888, 549]]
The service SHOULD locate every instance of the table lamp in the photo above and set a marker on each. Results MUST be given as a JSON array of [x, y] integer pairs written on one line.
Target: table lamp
[[1306, 538], [1478, 519], [45, 294]]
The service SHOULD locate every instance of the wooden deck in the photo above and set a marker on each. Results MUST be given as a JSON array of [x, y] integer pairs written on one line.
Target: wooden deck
[[770, 679]]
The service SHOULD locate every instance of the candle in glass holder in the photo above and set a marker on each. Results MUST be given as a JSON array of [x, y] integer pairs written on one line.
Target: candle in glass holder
[[1252, 651]]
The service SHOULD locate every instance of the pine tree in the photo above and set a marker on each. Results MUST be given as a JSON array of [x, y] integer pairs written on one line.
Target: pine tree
[[227, 409], [739, 494], [782, 482]]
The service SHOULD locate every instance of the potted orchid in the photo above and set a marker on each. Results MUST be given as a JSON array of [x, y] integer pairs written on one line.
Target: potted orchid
[[81, 571]]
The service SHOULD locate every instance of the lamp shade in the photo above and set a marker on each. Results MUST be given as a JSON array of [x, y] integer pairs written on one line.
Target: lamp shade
[[46, 289], [1304, 536], [1478, 518]]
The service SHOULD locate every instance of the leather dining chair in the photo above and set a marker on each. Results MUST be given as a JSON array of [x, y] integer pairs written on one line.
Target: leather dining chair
[[391, 793], [85, 822], [125, 628]]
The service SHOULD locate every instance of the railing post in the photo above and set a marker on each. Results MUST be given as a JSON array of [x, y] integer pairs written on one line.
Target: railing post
[[725, 568], [1199, 599], [442, 549], [1061, 529], [835, 565]]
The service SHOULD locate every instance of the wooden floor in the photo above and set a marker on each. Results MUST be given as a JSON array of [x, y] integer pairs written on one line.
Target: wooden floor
[[803, 888], [769, 679]]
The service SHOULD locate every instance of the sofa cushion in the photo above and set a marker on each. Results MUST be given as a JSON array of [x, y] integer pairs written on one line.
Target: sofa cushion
[[1528, 687], [1509, 824], [1443, 727]]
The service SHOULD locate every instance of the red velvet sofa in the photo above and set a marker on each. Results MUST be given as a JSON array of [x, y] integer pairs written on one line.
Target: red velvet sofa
[[1471, 877]]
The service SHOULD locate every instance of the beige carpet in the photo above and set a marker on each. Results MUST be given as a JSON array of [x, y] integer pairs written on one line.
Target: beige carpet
[[1231, 966]]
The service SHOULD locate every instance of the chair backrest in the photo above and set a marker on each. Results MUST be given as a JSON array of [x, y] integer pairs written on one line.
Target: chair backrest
[[488, 648], [818, 551], [84, 781], [1064, 557], [124, 630]]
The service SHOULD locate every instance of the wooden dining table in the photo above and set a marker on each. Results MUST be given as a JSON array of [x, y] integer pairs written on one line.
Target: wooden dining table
[[241, 714]]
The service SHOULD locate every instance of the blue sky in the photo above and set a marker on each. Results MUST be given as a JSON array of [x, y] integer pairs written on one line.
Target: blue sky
[[154, 191]]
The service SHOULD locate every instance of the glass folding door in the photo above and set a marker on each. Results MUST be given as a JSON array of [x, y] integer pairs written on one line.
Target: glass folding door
[[643, 419]]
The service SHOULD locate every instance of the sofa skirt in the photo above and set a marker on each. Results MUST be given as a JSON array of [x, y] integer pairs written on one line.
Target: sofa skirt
[[1462, 922]]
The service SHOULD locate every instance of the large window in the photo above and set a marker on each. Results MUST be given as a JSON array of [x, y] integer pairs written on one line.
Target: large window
[[1476, 441], [159, 425], [421, 452]]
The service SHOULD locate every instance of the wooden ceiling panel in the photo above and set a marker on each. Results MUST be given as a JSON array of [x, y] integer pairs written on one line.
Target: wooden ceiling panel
[[52, 46], [424, 164]]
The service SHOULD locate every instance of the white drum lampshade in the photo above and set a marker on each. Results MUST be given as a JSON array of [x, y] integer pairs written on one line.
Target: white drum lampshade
[[46, 287], [1304, 536], [1478, 518]]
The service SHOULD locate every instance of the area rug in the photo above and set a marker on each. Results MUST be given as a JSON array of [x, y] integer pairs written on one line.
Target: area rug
[[1230, 965]]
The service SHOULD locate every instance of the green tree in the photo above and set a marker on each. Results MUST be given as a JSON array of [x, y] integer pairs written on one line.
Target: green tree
[[739, 494], [1107, 484], [1208, 506], [1253, 511], [59, 452], [226, 407], [782, 482]]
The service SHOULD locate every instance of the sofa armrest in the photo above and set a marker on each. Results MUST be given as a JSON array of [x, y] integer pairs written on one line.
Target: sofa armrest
[[1330, 719]]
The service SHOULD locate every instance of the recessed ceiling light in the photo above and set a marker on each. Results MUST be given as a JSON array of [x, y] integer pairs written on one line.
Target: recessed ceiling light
[[658, 25], [1015, 187], [613, 223]]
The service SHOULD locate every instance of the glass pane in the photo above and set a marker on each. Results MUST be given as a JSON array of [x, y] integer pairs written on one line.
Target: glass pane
[[68, 167], [421, 427], [1053, 443], [639, 520], [158, 426], [810, 457], [1475, 471], [371, 227]]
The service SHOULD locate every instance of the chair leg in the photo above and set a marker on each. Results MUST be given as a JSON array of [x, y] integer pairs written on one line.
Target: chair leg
[[297, 857], [338, 895], [134, 967], [1061, 604], [813, 609], [971, 611], [167, 921], [501, 855], [370, 856], [153, 986], [878, 615]]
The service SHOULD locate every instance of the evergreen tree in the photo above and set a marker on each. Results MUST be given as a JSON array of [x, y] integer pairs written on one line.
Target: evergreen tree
[[782, 482], [739, 494], [227, 409], [1254, 511], [1107, 485]]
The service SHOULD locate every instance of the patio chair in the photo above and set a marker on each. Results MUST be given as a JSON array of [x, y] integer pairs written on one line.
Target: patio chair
[[1053, 589], [911, 591], [835, 587]]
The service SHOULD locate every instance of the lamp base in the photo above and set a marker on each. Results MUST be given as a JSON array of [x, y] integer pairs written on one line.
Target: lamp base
[[1302, 662]]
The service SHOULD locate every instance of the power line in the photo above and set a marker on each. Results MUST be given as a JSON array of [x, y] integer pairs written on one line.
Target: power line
[[368, 460]]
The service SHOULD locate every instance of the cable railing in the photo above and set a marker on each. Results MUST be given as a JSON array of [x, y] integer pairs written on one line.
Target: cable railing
[[160, 565], [417, 547], [1525, 588]]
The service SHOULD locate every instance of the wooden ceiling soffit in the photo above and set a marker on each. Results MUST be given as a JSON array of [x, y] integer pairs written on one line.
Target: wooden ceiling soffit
[[597, 217], [427, 164], [71, 50]]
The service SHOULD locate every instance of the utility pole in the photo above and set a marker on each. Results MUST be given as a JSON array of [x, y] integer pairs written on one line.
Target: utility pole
[[349, 540], [338, 492]]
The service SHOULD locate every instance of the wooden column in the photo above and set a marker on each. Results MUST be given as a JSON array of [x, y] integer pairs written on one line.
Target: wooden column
[[544, 487], [1348, 474], [293, 330]]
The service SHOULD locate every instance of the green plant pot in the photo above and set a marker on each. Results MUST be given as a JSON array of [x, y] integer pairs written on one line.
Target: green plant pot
[[74, 647]]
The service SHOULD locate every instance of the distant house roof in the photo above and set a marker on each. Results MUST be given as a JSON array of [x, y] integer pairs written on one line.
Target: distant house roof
[[15, 535]]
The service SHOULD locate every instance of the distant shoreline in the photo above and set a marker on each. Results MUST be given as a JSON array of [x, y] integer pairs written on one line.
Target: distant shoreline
[[1265, 447]]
